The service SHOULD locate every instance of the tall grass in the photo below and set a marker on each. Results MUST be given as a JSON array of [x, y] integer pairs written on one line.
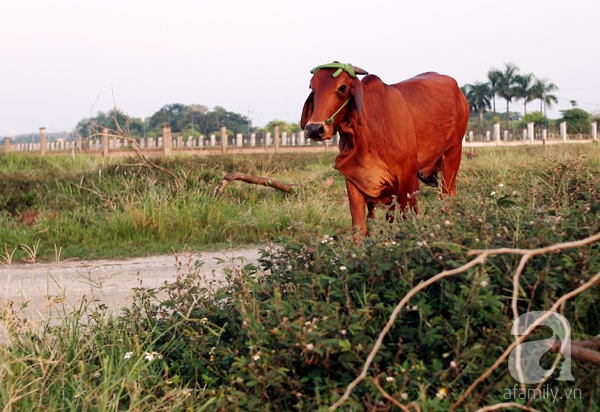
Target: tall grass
[[293, 334], [92, 208]]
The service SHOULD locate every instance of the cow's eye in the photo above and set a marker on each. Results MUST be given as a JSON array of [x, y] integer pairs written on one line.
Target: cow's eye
[[342, 88]]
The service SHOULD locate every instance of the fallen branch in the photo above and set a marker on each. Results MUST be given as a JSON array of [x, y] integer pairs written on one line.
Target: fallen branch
[[284, 187], [580, 353], [505, 405]]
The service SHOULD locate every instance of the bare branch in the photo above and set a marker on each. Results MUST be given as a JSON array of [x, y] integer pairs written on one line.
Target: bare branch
[[483, 255], [284, 187], [387, 396], [580, 353], [506, 405]]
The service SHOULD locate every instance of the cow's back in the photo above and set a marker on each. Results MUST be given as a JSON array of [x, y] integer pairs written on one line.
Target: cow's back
[[439, 113]]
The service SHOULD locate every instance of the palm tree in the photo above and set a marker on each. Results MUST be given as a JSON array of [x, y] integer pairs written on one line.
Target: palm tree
[[494, 81], [543, 89], [478, 97], [506, 86], [525, 89]]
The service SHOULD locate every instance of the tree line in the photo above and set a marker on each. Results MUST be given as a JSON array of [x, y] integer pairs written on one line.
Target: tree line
[[511, 85], [188, 120], [506, 83]]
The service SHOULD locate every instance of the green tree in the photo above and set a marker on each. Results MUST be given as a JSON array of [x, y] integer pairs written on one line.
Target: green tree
[[578, 120], [506, 86], [494, 76], [478, 97], [543, 89], [524, 86], [88, 126], [283, 126], [169, 115], [535, 117]]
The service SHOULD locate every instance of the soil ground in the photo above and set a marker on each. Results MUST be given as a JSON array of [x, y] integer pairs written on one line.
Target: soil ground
[[52, 289]]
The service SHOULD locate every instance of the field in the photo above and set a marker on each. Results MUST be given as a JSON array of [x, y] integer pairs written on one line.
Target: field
[[295, 331]]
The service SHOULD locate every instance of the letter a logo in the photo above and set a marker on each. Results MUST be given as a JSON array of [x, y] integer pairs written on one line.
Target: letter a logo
[[524, 360]]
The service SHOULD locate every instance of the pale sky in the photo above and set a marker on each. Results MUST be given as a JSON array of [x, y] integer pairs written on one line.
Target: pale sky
[[64, 60]]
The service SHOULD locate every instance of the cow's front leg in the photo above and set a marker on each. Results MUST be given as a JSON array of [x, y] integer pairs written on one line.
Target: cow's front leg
[[407, 193], [357, 208]]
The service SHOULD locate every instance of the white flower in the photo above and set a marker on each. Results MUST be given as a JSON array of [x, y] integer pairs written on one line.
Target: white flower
[[421, 243], [128, 355], [442, 393], [453, 364], [484, 283], [310, 347], [203, 320], [493, 194], [415, 307], [343, 332], [390, 379], [500, 184], [446, 222], [256, 357], [343, 268], [151, 355], [404, 396]]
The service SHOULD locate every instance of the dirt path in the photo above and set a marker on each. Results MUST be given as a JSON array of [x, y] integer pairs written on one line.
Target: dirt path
[[55, 288]]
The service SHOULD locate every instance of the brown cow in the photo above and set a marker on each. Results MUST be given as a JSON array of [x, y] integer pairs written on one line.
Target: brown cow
[[390, 135]]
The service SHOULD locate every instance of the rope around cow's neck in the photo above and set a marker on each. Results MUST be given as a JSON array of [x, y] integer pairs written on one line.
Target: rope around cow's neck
[[330, 120]]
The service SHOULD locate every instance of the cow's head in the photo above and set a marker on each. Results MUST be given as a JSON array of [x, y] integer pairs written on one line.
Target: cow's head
[[336, 90]]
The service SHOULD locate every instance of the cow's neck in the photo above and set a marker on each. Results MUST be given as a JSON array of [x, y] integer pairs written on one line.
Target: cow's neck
[[351, 145]]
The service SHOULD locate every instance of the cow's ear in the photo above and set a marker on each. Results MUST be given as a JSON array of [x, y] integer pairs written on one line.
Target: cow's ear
[[357, 92], [307, 110]]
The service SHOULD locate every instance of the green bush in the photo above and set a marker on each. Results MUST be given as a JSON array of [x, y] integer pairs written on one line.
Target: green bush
[[295, 332]]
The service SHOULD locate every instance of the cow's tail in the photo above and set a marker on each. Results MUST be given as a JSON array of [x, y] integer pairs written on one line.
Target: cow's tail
[[429, 181]]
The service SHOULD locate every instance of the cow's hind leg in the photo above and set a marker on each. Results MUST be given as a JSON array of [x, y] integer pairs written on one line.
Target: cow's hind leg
[[450, 165]]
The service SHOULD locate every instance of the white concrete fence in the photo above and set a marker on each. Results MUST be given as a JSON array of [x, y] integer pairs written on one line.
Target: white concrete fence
[[529, 134], [105, 142]]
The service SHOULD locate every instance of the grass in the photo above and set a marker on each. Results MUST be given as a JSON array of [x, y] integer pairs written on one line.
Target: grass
[[245, 345], [90, 208]]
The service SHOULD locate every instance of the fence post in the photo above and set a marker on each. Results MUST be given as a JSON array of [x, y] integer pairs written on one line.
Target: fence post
[[105, 142], [238, 140], [252, 139], [497, 132], [276, 133], [563, 131], [594, 131], [42, 141], [530, 131], [6, 144], [223, 139], [166, 140]]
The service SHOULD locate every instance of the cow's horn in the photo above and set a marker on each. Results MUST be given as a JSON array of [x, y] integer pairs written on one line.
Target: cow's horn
[[358, 70]]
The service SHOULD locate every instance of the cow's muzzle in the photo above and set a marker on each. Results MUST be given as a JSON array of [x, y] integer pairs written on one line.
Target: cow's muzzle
[[315, 130]]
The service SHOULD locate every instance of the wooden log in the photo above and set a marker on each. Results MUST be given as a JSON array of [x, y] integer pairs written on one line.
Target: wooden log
[[579, 351], [284, 187]]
